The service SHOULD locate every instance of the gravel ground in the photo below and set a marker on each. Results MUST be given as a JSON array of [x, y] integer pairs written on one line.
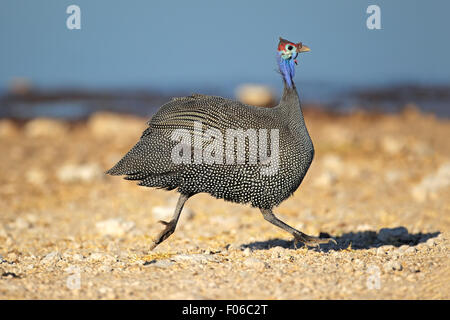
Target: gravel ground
[[380, 185]]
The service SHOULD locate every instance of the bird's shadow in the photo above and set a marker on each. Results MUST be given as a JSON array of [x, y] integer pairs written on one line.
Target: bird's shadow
[[356, 240]]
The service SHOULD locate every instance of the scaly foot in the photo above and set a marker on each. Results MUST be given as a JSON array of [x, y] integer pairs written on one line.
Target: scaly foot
[[310, 240], [163, 235]]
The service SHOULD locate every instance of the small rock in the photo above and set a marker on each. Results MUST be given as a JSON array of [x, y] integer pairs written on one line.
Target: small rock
[[414, 269], [247, 252], [77, 257], [411, 250], [11, 257], [98, 256], [233, 247], [278, 252], [392, 266], [51, 258], [387, 235], [105, 268], [403, 248], [381, 251], [166, 263], [422, 247], [431, 242], [255, 263], [114, 227]]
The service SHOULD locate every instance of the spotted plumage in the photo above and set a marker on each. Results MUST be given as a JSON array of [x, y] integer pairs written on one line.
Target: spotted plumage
[[151, 160]]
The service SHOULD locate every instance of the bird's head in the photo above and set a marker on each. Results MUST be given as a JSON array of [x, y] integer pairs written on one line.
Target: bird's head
[[287, 58], [289, 50]]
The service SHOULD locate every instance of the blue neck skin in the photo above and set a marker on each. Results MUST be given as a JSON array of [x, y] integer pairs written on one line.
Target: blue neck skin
[[287, 69]]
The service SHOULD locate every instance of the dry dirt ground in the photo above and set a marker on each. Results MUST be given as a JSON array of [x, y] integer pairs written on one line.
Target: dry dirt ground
[[379, 184]]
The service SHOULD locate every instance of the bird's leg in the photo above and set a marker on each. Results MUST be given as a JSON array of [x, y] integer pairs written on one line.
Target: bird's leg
[[298, 235], [172, 224]]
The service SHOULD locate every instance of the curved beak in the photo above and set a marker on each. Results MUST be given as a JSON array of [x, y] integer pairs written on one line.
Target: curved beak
[[304, 48]]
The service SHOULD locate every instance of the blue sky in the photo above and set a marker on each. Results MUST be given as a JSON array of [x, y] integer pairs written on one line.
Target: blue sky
[[191, 44]]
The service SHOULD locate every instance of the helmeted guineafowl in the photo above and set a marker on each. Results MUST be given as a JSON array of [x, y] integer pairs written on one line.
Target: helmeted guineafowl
[[233, 151]]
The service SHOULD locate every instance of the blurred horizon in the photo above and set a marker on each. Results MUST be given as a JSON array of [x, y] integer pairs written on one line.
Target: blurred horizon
[[213, 47]]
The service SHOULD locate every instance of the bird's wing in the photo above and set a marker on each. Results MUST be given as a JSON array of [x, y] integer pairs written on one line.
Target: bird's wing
[[211, 111]]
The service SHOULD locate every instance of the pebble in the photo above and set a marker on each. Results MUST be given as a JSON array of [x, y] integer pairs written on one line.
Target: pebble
[[414, 269], [166, 263], [11, 257], [387, 235], [385, 250], [403, 248], [278, 252], [77, 257], [98, 256], [51, 258], [431, 242], [392, 266], [411, 250], [255, 263], [422, 247], [247, 252], [105, 268], [381, 251]]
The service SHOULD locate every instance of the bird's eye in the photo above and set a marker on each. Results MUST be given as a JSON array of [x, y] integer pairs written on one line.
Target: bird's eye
[[289, 47]]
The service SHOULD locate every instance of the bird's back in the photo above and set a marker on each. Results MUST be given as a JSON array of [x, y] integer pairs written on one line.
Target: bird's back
[[151, 159]]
